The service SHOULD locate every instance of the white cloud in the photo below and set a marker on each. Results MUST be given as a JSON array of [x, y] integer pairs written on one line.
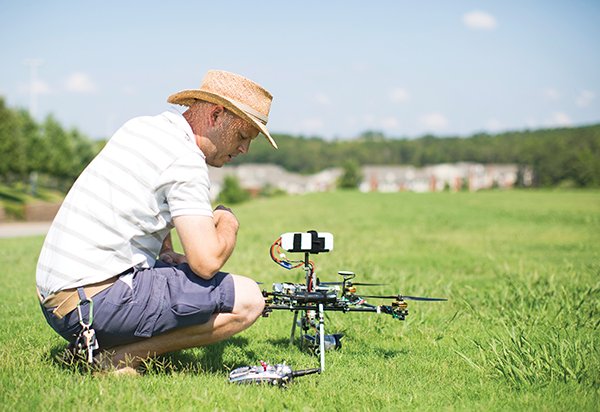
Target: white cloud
[[433, 121], [479, 20], [494, 125], [368, 117], [560, 119], [390, 123], [585, 98], [40, 87], [312, 125], [37, 87], [80, 83], [551, 94], [399, 95], [531, 123], [368, 121], [322, 99]]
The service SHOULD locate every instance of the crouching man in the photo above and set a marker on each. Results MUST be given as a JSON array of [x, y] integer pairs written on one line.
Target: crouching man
[[111, 244]]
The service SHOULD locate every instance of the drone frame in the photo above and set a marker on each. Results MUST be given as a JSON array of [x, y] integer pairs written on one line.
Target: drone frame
[[315, 299]]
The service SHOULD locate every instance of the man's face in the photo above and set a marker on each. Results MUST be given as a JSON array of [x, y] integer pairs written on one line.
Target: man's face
[[230, 136]]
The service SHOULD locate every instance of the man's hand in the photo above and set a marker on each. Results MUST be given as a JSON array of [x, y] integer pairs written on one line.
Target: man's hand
[[168, 255], [221, 207], [172, 258], [224, 215]]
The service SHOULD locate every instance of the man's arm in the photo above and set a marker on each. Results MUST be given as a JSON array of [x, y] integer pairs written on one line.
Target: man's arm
[[208, 242]]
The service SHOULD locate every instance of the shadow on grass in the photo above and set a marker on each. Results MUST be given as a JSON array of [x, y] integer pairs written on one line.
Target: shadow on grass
[[283, 343], [205, 359], [390, 354], [64, 358], [382, 353], [208, 359]]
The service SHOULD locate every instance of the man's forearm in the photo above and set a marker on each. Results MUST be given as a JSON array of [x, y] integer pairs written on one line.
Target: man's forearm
[[208, 241], [227, 233]]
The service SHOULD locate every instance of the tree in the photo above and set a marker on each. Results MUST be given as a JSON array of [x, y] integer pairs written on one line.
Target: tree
[[61, 161], [351, 176], [35, 150], [13, 151], [84, 152], [232, 191]]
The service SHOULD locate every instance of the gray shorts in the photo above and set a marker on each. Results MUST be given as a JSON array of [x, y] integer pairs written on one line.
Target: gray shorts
[[161, 299]]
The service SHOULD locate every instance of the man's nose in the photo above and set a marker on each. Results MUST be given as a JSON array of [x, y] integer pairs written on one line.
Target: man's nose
[[244, 147]]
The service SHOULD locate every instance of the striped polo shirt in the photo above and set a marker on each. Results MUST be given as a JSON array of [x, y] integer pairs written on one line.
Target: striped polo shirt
[[121, 207]]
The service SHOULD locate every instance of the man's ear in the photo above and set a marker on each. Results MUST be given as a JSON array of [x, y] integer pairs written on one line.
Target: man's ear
[[215, 113]]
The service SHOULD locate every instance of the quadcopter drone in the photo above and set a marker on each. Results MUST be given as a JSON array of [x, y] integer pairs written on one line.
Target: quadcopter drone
[[311, 299]]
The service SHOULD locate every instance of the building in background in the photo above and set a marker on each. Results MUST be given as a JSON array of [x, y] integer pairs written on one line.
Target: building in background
[[436, 178]]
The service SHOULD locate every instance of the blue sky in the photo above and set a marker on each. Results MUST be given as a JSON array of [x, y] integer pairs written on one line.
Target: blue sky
[[335, 68]]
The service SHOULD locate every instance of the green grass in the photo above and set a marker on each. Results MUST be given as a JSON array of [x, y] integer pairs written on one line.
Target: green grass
[[519, 332]]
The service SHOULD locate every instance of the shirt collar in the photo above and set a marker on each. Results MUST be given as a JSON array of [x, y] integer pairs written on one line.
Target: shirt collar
[[180, 122]]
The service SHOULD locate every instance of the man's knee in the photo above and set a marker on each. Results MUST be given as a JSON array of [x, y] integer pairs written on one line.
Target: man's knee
[[249, 301]]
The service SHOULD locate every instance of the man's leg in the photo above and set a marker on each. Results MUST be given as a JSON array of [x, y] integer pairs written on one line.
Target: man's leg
[[248, 307]]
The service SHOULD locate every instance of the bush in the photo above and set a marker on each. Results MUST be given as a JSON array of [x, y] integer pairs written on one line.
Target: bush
[[351, 176], [232, 192]]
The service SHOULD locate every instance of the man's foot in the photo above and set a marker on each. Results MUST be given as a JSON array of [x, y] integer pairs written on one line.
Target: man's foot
[[125, 371], [104, 363]]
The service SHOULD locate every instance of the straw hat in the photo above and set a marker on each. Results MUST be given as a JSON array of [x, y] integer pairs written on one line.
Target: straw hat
[[242, 96]]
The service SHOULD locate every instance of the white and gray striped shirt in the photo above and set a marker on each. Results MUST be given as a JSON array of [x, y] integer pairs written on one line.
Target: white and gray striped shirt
[[120, 209]]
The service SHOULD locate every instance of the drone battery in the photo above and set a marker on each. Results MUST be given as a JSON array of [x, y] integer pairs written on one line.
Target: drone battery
[[309, 242], [314, 297]]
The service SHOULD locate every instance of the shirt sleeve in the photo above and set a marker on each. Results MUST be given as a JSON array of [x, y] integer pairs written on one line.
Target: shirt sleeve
[[186, 187]]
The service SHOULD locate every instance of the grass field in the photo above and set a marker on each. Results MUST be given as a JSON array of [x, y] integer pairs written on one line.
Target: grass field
[[519, 332]]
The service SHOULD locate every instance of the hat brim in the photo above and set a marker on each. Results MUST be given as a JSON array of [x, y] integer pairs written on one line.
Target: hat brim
[[188, 97]]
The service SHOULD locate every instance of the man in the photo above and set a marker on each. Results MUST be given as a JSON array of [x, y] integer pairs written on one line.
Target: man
[[110, 242]]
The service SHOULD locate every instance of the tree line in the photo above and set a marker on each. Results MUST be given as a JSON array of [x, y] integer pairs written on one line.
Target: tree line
[[568, 156], [44, 152]]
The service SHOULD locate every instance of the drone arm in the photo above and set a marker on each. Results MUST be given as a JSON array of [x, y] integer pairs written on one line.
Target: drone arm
[[395, 311]]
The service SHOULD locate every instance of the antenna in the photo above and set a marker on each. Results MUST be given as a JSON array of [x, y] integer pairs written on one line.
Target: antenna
[[33, 89]]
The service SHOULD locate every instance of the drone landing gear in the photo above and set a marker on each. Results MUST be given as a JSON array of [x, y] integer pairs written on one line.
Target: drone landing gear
[[318, 343], [322, 336]]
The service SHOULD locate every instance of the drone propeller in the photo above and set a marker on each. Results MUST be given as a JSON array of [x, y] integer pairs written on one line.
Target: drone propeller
[[349, 283], [406, 297]]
